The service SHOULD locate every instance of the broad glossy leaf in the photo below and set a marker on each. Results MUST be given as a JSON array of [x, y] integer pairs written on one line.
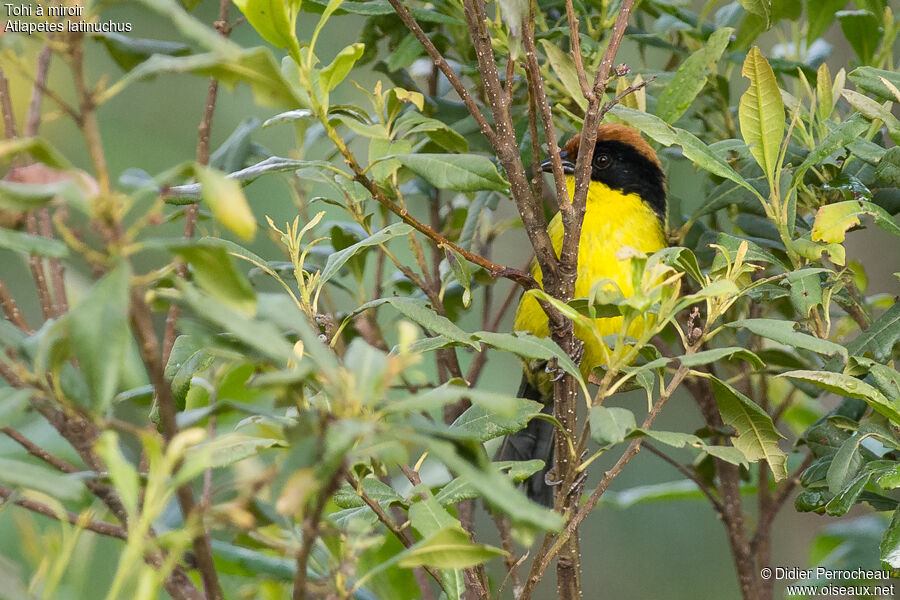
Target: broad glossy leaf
[[129, 52], [527, 345], [839, 137], [761, 112], [705, 357], [760, 8]]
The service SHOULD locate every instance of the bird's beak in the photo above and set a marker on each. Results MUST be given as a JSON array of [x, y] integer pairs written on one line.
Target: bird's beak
[[568, 166]]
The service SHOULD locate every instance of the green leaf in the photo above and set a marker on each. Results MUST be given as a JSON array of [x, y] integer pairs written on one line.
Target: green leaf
[[880, 337], [254, 67], [848, 496], [274, 20], [527, 345], [16, 196], [496, 489], [824, 93], [705, 357], [123, 474], [420, 312], [129, 52], [868, 79], [888, 168], [485, 424], [227, 201], [784, 332], [457, 172], [38, 148], [863, 30], [872, 110], [838, 138], [339, 259], [564, 67], [700, 154], [806, 291], [756, 437], [760, 8], [648, 124], [188, 356], [761, 113], [20, 474], [449, 548], [833, 220], [845, 464], [890, 542], [100, 334], [333, 74], [215, 272], [677, 96], [822, 17], [609, 426], [32, 244], [259, 335], [428, 517], [845, 385]]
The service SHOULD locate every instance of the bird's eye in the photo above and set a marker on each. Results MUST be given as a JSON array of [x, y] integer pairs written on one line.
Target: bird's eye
[[601, 161]]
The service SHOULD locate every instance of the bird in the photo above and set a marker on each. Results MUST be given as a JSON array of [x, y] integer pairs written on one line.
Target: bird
[[626, 206]]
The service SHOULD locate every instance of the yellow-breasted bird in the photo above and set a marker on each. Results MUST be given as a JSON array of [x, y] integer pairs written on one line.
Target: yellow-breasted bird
[[626, 206]]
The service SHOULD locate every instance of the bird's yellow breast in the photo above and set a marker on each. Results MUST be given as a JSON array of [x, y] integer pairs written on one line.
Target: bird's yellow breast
[[612, 220]]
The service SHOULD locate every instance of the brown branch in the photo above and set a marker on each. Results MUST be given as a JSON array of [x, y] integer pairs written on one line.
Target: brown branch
[[38, 452], [88, 116], [782, 495], [575, 41], [101, 527], [401, 534], [148, 345], [533, 72], [441, 63], [687, 473], [33, 119], [57, 272], [37, 272], [506, 146], [549, 548], [6, 108], [310, 528], [11, 310]]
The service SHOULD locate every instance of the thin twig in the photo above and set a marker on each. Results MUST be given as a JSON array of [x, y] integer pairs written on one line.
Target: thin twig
[[441, 63], [11, 310], [38, 452], [312, 523], [101, 527], [148, 344], [687, 473], [575, 41], [37, 272], [33, 119], [6, 108], [549, 548]]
